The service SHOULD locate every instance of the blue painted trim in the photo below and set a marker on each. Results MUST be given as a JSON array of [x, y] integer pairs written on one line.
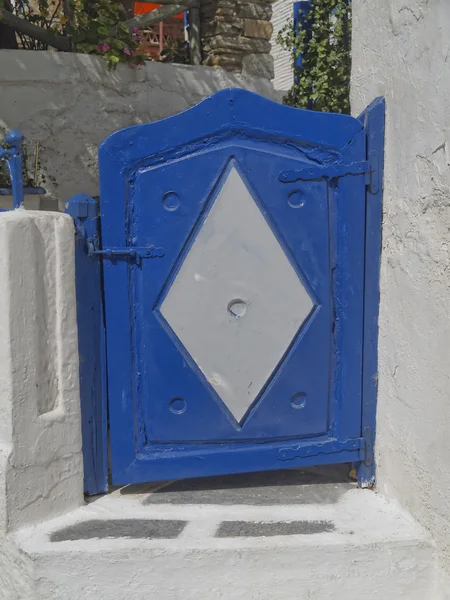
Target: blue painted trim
[[223, 116], [27, 190], [373, 119], [348, 195], [238, 458], [91, 345], [13, 158]]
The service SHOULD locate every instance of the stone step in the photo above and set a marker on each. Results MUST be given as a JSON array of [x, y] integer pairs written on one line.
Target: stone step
[[252, 542]]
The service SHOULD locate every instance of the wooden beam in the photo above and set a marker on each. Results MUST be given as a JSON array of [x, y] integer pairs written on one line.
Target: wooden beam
[[155, 16], [170, 9], [34, 31]]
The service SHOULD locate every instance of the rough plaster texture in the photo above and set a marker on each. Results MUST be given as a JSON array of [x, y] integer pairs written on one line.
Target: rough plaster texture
[[40, 438], [70, 103], [370, 549], [401, 50]]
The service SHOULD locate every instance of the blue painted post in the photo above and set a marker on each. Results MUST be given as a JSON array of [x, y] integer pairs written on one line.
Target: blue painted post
[[15, 140], [91, 344], [13, 157], [373, 119]]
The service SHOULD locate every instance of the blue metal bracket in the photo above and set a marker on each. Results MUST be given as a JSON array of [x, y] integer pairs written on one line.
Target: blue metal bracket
[[368, 446], [330, 447], [91, 344], [373, 119], [324, 172], [13, 157], [27, 190], [369, 168], [84, 209], [133, 254]]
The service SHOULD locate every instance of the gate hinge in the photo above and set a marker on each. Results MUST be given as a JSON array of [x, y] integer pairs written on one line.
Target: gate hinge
[[324, 172], [329, 447], [373, 181], [370, 168], [368, 446], [130, 253]]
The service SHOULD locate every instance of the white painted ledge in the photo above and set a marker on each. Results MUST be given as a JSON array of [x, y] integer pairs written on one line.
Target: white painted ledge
[[375, 551]]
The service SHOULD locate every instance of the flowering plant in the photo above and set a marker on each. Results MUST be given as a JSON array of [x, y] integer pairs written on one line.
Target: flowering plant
[[99, 28], [86, 26]]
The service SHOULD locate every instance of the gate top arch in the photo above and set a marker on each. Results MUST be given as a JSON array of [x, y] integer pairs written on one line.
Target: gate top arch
[[228, 113]]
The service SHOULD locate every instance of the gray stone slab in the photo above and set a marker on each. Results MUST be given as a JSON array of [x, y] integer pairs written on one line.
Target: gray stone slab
[[150, 529], [259, 529], [318, 485]]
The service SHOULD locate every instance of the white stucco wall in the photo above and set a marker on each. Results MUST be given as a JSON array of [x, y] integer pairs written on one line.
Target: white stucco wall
[[401, 49], [41, 470], [283, 13], [69, 103]]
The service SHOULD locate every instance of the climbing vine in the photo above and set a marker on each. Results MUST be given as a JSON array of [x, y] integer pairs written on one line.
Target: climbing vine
[[320, 48]]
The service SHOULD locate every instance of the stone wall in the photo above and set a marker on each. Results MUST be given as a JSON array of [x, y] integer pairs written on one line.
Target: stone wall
[[236, 36], [69, 103], [401, 50]]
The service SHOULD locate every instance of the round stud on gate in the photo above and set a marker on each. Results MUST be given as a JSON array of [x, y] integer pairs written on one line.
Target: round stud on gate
[[171, 201], [237, 308], [296, 199], [177, 406], [298, 400]]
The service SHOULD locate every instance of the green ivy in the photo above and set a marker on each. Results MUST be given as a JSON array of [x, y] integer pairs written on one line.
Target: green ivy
[[322, 83]]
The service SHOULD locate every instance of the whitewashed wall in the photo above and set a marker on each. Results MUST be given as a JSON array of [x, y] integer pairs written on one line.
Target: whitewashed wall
[[402, 50], [41, 468], [283, 12], [69, 103]]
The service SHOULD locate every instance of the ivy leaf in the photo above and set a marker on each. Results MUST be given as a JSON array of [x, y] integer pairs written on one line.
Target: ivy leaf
[[322, 83]]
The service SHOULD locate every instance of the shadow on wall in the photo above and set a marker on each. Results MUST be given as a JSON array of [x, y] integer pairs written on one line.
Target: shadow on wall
[[70, 103]]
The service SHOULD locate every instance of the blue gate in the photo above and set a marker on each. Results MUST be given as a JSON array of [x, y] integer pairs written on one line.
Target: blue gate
[[240, 247]]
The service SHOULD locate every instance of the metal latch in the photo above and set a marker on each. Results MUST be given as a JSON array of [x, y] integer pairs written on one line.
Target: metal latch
[[130, 253]]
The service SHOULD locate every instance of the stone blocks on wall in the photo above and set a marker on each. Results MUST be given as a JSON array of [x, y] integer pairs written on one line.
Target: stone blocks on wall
[[235, 36]]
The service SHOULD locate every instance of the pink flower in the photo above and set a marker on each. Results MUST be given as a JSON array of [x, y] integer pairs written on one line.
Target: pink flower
[[135, 29], [128, 52], [105, 47]]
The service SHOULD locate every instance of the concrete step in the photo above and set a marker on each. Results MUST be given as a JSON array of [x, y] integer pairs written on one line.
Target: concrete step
[[253, 541]]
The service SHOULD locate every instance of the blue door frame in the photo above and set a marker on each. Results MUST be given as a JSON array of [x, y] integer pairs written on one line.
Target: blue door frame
[[346, 154]]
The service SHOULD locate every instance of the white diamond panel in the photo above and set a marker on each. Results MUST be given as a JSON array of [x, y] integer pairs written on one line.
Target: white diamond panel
[[236, 302]]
